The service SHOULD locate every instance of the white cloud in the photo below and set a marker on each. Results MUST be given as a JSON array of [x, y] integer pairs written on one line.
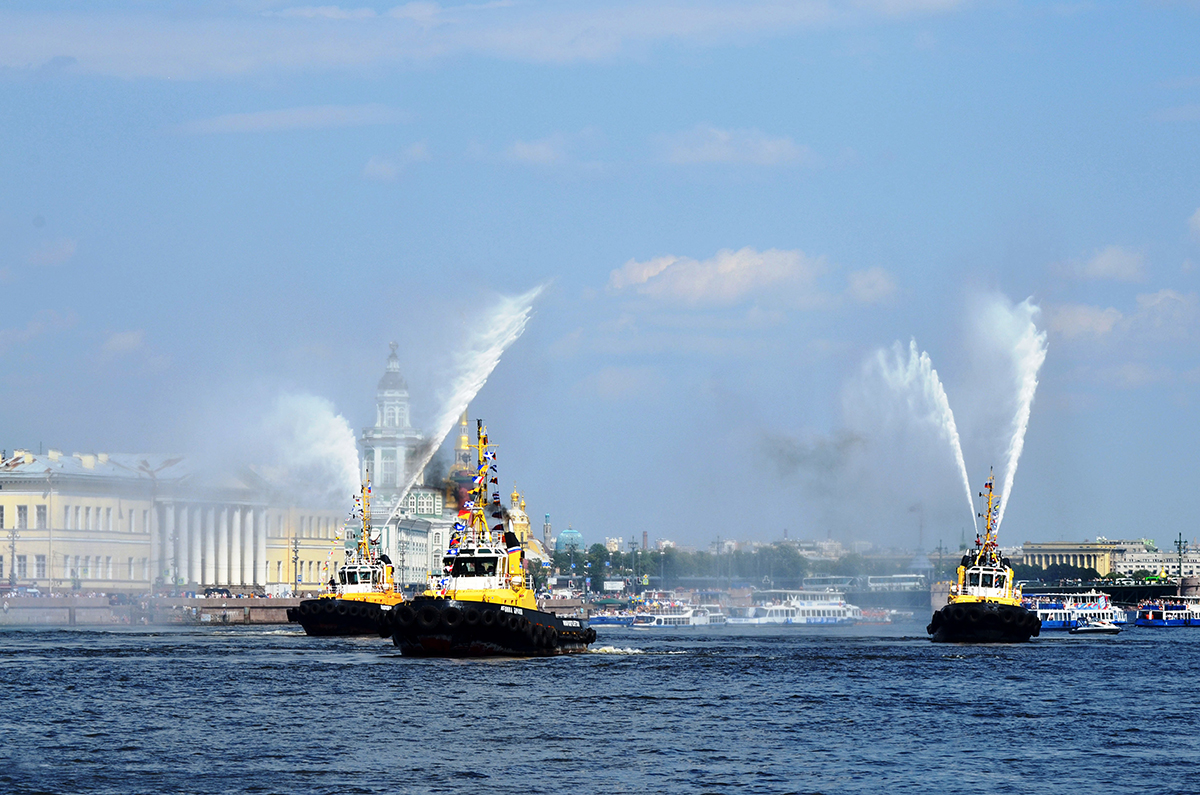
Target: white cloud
[[1116, 263], [387, 168], [1166, 314], [543, 151], [228, 40], [1077, 320], [305, 118], [123, 342], [707, 144], [725, 278], [1194, 225], [55, 253], [871, 286]]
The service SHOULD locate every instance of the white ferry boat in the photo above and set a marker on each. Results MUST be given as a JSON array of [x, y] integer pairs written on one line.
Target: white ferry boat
[[1169, 611], [814, 608], [1066, 611], [676, 616]]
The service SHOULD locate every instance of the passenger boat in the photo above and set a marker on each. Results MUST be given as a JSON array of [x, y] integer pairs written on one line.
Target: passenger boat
[[614, 619], [480, 604], [363, 592], [1095, 626], [811, 608], [984, 604], [677, 616], [1065, 611], [1169, 611]]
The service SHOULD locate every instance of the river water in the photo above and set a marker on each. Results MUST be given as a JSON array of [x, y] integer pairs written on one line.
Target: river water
[[746, 710]]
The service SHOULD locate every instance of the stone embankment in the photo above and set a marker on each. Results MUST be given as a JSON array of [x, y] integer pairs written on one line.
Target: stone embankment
[[74, 610]]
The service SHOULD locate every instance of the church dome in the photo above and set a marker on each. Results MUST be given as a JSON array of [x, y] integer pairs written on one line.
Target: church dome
[[567, 540], [392, 381]]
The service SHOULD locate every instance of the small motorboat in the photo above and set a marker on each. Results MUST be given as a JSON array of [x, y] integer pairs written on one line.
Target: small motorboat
[[1095, 627]]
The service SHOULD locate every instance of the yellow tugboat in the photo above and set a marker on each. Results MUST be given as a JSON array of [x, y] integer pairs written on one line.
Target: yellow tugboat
[[364, 592], [481, 603], [984, 604]]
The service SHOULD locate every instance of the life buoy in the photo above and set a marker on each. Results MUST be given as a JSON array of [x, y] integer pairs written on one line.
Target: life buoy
[[428, 617], [452, 617]]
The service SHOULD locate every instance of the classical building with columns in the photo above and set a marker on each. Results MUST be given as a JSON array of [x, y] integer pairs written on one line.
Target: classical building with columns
[[127, 522]]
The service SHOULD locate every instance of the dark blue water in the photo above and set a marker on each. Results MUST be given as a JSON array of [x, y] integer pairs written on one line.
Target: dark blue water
[[771, 711]]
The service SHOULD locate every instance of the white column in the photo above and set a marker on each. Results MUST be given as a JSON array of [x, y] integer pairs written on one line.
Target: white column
[[155, 544], [222, 545], [170, 546], [195, 535], [183, 541], [210, 544], [260, 551], [235, 546]]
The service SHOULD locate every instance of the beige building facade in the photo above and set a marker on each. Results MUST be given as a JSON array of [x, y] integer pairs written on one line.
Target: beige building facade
[[127, 523]]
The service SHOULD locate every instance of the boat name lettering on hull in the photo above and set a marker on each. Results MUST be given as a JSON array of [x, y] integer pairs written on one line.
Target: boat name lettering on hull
[[506, 609]]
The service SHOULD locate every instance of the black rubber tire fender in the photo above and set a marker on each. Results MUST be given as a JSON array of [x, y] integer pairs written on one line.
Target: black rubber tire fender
[[403, 616], [452, 617], [552, 637], [342, 609], [304, 609], [428, 617], [488, 618], [590, 636], [471, 616], [1008, 617]]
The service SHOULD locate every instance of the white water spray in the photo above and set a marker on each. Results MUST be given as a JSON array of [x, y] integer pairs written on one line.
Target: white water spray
[[308, 450], [919, 382], [500, 329], [1028, 347]]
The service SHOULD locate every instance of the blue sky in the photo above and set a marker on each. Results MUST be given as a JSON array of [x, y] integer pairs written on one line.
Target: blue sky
[[734, 205]]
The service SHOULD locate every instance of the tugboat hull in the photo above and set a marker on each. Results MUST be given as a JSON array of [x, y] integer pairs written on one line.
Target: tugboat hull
[[339, 617], [983, 622], [432, 627]]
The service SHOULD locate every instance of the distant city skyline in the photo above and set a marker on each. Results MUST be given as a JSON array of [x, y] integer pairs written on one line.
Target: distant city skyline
[[739, 211]]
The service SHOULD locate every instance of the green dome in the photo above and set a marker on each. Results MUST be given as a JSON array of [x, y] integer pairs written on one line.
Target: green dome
[[567, 540]]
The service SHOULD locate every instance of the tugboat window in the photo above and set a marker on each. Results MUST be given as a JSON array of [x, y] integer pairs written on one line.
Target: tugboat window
[[987, 580], [474, 567], [973, 579]]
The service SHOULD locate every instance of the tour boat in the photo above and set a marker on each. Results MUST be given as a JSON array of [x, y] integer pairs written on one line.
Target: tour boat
[[984, 605], [677, 616], [1169, 611], [364, 591], [1069, 610], [480, 603], [810, 608]]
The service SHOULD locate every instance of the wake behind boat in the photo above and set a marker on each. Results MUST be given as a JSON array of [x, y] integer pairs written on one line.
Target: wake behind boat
[[984, 604]]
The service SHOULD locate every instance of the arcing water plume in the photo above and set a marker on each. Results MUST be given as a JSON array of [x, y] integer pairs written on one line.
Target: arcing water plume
[[1014, 328], [480, 355], [918, 382], [308, 450]]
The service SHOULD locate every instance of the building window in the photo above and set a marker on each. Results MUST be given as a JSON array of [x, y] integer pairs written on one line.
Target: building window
[[279, 571], [146, 521], [40, 517], [131, 560], [22, 572], [389, 417], [67, 517], [131, 521], [76, 525], [1, 567], [108, 572], [22, 519], [87, 519], [85, 570], [108, 519], [1, 517], [39, 567], [412, 503]]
